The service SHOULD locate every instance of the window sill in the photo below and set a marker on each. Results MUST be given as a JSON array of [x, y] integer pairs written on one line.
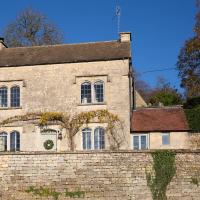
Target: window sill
[[91, 104], [10, 108]]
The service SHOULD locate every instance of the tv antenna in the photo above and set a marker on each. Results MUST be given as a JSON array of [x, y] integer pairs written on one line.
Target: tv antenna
[[118, 15]]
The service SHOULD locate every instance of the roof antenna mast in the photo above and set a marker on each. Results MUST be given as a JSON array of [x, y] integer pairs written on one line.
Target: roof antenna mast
[[118, 14]]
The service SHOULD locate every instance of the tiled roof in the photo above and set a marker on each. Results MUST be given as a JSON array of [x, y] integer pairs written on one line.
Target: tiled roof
[[67, 53], [159, 119]]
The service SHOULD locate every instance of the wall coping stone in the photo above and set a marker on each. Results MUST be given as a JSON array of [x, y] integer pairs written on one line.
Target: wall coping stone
[[179, 151]]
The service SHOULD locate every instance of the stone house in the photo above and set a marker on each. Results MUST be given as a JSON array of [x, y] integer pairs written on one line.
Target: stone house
[[70, 78]]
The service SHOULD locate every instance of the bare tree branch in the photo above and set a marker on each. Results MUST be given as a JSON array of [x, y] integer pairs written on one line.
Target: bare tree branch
[[31, 28]]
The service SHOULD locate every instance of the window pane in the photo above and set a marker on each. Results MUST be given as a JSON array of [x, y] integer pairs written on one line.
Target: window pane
[[86, 93], [99, 138], [15, 141], [165, 139], [3, 141], [86, 137], [3, 97], [98, 88], [136, 142], [12, 141], [143, 142], [15, 96]]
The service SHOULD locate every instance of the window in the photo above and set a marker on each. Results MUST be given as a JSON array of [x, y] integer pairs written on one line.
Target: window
[[15, 96], [140, 141], [3, 141], [15, 141], [99, 93], [86, 93], [92, 93], [3, 97], [99, 138], [86, 134], [165, 139]]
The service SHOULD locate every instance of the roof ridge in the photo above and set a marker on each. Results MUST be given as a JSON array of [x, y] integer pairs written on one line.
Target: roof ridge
[[164, 107], [57, 45]]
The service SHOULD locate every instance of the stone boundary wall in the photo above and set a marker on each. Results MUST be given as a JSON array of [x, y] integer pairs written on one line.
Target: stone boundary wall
[[106, 175]]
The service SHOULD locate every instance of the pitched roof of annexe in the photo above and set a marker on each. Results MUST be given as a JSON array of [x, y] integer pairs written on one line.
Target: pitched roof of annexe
[[65, 53], [159, 119]]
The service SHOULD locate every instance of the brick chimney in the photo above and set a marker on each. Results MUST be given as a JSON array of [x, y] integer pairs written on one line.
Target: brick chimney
[[2, 44], [125, 36]]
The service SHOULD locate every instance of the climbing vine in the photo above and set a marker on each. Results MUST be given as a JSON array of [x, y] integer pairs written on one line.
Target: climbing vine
[[195, 181], [72, 124], [75, 194], [193, 118], [43, 192], [162, 173], [47, 192]]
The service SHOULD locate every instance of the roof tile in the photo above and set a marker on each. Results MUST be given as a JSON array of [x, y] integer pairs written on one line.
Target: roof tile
[[159, 119], [66, 53]]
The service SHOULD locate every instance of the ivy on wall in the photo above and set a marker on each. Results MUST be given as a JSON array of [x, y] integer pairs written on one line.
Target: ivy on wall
[[43, 192], [192, 111], [193, 118], [161, 174], [47, 192]]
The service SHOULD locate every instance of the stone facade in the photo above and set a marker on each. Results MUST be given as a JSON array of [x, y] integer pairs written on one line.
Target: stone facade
[[177, 140], [56, 87], [139, 100], [101, 176]]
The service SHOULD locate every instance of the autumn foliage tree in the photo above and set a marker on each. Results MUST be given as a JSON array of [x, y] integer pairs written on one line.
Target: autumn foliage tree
[[163, 93], [31, 28], [166, 94], [189, 62]]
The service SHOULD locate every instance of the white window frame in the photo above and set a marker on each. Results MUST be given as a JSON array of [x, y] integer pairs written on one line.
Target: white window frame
[[165, 134], [93, 94], [97, 131], [96, 83], [139, 136], [85, 100], [13, 98], [87, 130], [16, 133], [92, 139], [1, 104], [4, 135], [9, 87]]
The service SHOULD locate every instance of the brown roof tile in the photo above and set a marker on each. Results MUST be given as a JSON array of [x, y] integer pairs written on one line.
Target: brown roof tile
[[159, 119], [67, 53]]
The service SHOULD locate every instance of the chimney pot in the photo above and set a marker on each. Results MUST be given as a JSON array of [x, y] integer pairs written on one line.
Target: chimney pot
[[125, 36], [1, 39], [2, 44]]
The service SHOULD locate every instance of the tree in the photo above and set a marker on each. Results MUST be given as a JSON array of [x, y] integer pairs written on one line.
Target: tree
[[189, 62], [31, 28], [165, 94]]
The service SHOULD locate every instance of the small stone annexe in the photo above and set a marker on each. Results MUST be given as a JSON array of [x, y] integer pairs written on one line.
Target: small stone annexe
[[104, 175]]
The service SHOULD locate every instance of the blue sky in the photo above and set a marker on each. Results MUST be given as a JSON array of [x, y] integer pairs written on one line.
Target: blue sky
[[159, 27]]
